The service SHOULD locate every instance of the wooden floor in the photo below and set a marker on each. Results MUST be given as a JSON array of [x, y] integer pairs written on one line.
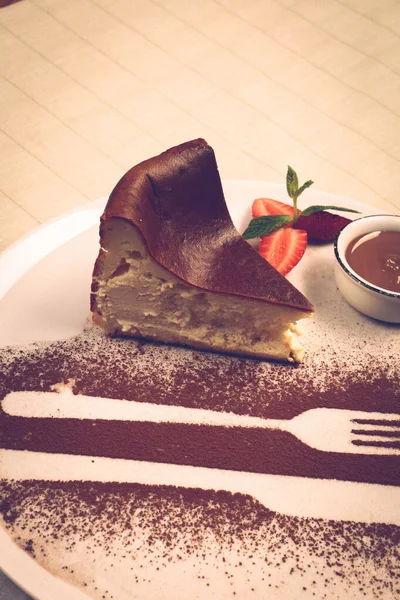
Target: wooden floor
[[90, 87]]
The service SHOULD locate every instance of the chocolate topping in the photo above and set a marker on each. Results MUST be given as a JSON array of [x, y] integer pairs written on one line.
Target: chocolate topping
[[177, 203], [376, 257]]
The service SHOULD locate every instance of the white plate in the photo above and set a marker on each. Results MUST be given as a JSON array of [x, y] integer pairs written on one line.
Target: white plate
[[45, 281]]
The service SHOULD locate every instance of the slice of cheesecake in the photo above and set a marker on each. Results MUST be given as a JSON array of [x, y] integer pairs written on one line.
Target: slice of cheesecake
[[173, 268]]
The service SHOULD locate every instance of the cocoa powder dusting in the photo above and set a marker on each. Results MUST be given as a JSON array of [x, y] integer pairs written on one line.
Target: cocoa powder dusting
[[232, 532], [230, 543], [131, 370]]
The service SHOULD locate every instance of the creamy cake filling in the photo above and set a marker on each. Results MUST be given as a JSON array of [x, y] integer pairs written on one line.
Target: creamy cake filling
[[136, 296]]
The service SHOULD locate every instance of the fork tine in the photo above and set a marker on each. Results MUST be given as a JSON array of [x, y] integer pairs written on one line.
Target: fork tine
[[377, 432], [389, 444], [380, 422]]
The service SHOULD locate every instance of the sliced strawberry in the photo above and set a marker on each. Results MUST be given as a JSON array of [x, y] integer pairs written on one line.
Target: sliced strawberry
[[322, 226], [284, 248], [266, 207]]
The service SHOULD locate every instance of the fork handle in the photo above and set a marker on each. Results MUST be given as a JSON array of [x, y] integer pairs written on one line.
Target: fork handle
[[66, 405]]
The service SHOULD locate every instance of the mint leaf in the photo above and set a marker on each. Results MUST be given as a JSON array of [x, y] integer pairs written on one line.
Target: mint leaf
[[317, 208], [292, 182], [303, 187], [261, 226]]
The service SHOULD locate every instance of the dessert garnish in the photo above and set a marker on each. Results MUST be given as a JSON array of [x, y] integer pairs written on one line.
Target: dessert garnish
[[284, 230]]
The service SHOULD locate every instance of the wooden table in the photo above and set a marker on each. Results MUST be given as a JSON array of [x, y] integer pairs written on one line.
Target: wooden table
[[88, 88]]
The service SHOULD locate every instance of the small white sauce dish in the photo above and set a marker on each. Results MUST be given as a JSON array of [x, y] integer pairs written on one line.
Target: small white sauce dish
[[367, 298]]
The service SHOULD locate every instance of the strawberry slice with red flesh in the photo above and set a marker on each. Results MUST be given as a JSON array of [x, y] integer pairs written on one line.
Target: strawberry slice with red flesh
[[267, 207], [322, 226], [284, 248]]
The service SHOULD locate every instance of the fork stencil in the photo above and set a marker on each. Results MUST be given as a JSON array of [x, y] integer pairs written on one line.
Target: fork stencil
[[324, 429]]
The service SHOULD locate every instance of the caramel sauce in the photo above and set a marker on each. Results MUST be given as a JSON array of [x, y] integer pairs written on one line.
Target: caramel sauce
[[375, 257]]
